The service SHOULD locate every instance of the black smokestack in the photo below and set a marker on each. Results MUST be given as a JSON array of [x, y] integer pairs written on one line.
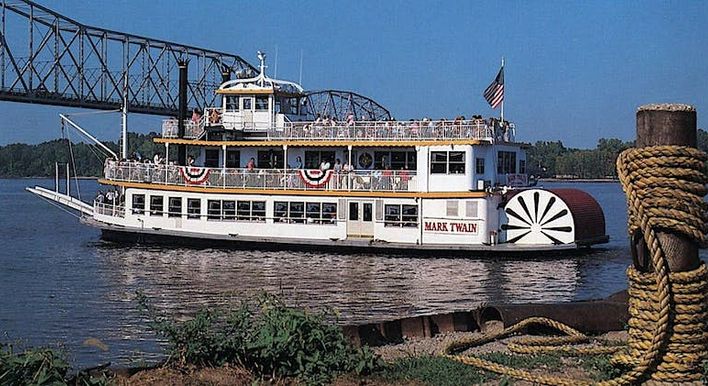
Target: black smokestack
[[225, 74], [182, 149]]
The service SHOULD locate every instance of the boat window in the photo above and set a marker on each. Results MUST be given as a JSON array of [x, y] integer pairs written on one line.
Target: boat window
[[401, 215], [329, 212], [456, 162], [280, 211], [396, 160], [246, 103], [211, 158], [232, 103], [297, 211], [409, 216], [138, 203], [506, 162], [353, 211], [438, 162], [522, 166], [229, 208], [392, 215], [471, 209], [479, 166], [271, 159], [261, 103], [244, 210], [194, 208], [156, 205], [314, 158], [258, 211], [314, 212], [174, 207], [213, 210], [453, 208], [368, 211], [233, 158]]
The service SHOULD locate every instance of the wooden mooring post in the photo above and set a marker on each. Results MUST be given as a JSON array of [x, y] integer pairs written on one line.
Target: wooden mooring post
[[666, 124]]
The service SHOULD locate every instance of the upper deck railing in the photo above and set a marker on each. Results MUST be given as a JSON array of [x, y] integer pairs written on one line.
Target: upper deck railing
[[425, 130], [276, 179]]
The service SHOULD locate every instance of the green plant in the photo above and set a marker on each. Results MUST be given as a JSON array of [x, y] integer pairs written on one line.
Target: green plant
[[40, 366], [264, 336], [599, 367]]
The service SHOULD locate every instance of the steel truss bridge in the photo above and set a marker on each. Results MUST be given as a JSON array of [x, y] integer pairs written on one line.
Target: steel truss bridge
[[48, 58]]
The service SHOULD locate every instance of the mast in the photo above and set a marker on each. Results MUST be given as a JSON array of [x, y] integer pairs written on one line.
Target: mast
[[502, 101], [124, 116]]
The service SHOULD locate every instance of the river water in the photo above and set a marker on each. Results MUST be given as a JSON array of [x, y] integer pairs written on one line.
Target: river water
[[60, 284]]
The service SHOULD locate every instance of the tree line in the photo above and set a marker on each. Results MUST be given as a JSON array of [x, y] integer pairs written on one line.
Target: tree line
[[552, 159], [22, 160], [544, 158]]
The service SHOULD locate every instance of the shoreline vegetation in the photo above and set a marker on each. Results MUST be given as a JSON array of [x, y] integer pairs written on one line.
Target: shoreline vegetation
[[547, 160], [262, 340]]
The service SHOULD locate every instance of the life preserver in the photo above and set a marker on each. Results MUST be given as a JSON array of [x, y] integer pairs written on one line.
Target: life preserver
[[194, 175], [366, 160], [315, 178]]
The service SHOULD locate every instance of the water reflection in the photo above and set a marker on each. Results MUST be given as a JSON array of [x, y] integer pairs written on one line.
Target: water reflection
[[360, 288]]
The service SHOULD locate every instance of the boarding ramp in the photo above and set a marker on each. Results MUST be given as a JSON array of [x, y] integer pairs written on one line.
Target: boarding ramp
[[63, 199]]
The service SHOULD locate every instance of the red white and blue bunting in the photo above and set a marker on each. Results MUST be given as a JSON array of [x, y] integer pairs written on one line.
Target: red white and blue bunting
[[194, 175], [315, 178]]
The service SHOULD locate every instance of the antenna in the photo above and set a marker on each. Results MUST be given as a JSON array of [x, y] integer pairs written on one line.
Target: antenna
[[275, 72], [300, 80]]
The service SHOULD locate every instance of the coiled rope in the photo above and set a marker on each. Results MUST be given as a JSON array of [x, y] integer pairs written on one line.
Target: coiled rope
[[668, 326]]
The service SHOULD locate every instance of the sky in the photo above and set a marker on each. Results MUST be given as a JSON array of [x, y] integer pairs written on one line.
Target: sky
[[575, 71]]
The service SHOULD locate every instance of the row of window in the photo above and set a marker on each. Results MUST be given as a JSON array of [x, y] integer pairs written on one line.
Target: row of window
[[260, 103], [301, 212], [441, 162], [241, 210], [398, 215]]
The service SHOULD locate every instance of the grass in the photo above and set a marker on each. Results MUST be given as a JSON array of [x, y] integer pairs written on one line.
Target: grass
[[431, 370]]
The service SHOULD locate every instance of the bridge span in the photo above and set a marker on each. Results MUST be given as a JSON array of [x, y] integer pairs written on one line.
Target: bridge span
[[48, 58]]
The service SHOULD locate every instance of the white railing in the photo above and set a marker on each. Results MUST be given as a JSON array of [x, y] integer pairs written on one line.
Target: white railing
[[192, 130], [385, 131], [109, 209], [441, 130], [291, 179]]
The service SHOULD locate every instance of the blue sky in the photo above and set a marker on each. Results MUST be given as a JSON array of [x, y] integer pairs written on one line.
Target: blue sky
[[575, 71]]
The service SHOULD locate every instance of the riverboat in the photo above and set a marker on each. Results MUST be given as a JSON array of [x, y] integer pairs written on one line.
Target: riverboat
[[262, 173]]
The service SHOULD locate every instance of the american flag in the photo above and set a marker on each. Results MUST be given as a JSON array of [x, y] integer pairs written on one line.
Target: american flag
[[494, 94]]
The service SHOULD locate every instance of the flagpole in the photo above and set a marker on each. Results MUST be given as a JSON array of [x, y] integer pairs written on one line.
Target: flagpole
[[502, 102]]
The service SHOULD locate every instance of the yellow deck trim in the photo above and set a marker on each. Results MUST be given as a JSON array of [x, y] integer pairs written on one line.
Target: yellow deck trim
[[280, 192], [310, 143]]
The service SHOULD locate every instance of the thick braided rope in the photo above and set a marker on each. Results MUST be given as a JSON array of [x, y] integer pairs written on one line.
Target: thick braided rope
[[665, 186]]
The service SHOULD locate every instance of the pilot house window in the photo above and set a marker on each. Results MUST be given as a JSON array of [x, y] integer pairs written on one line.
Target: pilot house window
[[232, 103], [506, 162], [261, 103]]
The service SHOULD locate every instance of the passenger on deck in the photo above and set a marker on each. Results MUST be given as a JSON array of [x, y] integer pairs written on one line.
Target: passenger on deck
[[190, 161], [325, 165], [196, 115], [350, 119], [298, 162], [251, 165]]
